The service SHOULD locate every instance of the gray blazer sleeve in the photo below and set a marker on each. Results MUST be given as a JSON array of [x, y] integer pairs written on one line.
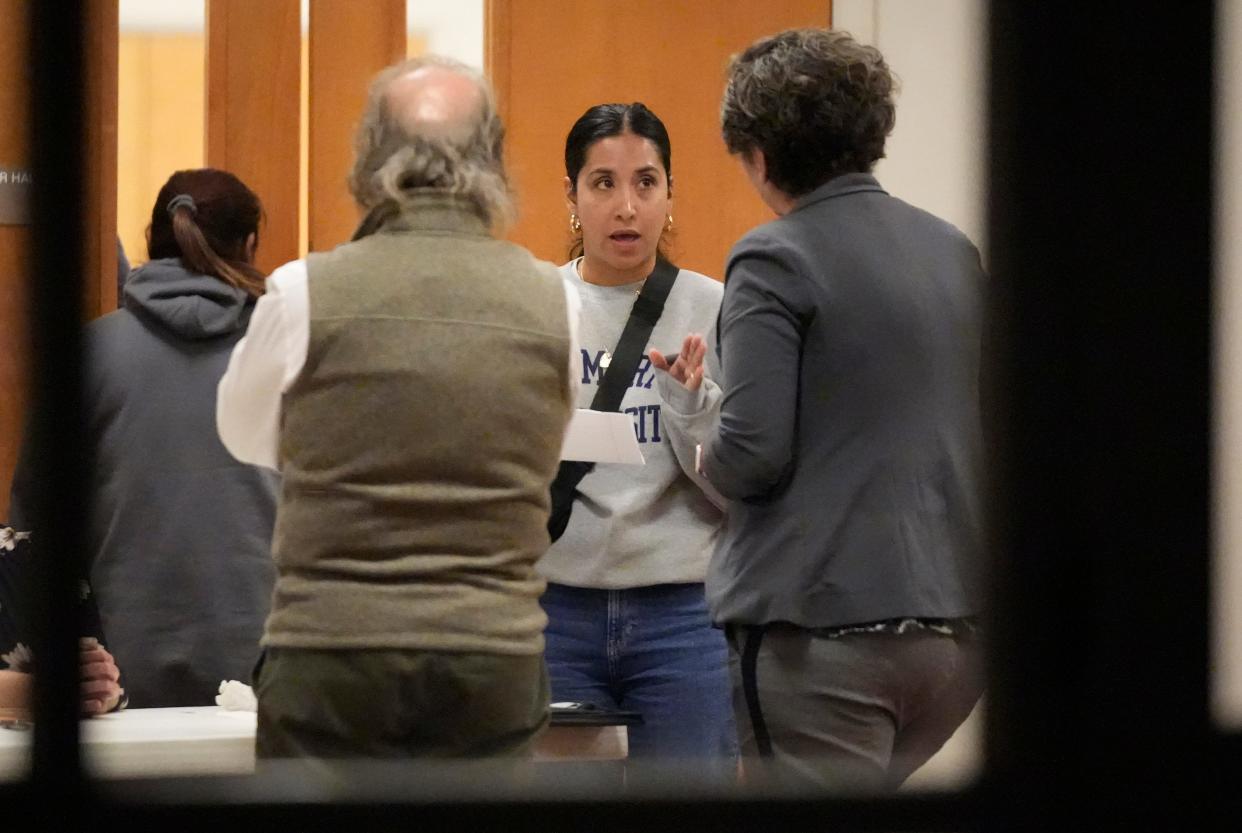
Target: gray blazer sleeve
[[761, 325]]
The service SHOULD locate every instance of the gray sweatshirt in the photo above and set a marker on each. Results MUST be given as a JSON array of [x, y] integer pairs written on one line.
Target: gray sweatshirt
[[636, 526]]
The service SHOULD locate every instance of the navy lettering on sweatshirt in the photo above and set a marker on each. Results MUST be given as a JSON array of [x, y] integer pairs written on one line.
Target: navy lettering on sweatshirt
[[646, 417]]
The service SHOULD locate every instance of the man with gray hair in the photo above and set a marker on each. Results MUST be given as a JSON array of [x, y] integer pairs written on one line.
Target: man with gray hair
[[413, 387]]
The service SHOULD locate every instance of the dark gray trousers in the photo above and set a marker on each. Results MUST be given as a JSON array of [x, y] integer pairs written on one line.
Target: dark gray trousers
[[395, 704], [854, 712]]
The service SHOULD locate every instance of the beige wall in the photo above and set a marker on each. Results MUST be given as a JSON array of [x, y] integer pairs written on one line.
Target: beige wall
[[935, 156]]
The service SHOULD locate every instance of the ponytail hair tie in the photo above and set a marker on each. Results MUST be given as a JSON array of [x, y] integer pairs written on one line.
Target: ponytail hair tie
[[182, 201]]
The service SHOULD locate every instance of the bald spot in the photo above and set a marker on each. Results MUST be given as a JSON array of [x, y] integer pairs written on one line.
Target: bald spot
[[433, 100]]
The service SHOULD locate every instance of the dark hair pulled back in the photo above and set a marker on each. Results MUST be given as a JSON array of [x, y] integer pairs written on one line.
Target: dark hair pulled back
[[208, 234]]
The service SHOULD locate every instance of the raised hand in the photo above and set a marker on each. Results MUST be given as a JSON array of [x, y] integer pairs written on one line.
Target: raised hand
[[687, 366]]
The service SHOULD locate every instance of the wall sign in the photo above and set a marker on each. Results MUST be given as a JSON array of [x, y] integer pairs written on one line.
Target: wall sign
[[14, 196]]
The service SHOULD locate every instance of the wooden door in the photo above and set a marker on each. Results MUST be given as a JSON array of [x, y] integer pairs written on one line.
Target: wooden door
[[100, 238], [98, 235], [253, 107], [350, 41], [552, 60], [14, 241]]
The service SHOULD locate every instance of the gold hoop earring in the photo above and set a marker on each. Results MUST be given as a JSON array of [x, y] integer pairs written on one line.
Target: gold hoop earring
[[669, 225], [575, 225]]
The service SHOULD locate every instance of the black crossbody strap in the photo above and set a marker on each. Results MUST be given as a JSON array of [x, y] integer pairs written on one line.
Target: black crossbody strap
[[644, 315], [648, 307]]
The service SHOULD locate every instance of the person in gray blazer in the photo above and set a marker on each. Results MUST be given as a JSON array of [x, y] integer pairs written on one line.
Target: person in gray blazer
[[849, 441]]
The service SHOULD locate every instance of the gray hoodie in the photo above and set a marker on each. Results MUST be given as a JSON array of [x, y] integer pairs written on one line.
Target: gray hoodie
[[180, 531]]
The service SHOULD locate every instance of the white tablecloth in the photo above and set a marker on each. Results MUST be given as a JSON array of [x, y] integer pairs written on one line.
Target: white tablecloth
[[202, 740], [207, 740]]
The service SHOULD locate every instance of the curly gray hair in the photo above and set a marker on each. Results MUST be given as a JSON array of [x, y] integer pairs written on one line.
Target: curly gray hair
[[815, 102], [392, 161]]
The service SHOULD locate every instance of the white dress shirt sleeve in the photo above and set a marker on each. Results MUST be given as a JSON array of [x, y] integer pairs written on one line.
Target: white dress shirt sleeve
[[263, 366], [266, 362]]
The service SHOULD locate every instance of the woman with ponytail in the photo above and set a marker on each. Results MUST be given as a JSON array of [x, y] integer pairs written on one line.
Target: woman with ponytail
[[179, 531]]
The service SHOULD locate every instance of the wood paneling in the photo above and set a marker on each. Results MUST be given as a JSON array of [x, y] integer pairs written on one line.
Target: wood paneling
[[160, 124], [14, 242], [102, 33], [350, 41], [98, 236], [550, 61], [253, 103]]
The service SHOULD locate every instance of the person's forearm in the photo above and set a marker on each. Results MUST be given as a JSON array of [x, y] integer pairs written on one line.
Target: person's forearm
[[741, 466], [761, 344], [752, 448], [14, 690], [692, 427]]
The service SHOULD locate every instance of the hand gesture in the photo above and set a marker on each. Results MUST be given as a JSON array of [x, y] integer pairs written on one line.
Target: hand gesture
[[687, 366]]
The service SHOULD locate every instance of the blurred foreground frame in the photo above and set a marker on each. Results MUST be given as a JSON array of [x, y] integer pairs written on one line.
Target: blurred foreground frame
[[1099, 398]]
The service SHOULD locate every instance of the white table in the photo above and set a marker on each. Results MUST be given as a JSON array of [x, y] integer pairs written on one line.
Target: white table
[[207, 740], [203, 740]]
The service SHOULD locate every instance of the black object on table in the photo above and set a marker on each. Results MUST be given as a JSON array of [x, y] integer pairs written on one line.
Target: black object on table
[[589, 714]]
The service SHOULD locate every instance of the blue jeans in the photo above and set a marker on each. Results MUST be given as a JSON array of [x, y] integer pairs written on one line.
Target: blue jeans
[[651, 650]]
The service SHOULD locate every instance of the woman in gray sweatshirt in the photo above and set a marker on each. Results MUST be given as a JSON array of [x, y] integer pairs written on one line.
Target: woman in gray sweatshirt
[[628, 623]]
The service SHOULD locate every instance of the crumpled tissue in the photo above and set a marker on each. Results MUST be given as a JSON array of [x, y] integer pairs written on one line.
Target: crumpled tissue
[[236, 696]]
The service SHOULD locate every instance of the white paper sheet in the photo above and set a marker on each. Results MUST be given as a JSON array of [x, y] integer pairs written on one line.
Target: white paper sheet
[[601, 437]]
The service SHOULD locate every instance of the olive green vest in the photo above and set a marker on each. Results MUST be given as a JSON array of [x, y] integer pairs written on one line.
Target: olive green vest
[[419, 441]]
